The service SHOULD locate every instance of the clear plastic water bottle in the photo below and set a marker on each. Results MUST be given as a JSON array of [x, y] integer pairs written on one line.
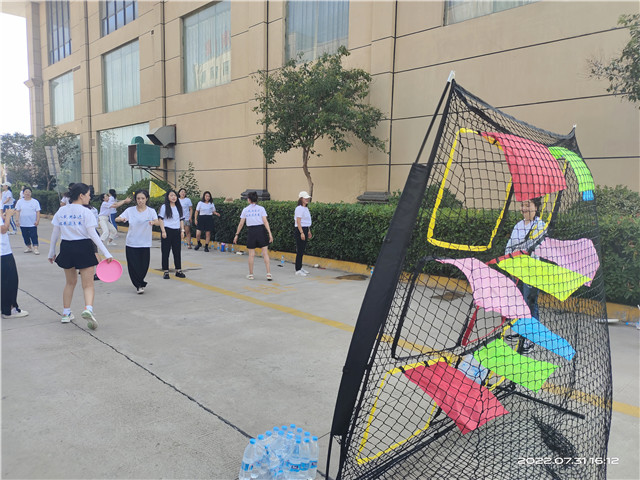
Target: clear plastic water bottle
[[305, 451], [313, 458], [294, 461], [282, 261], [248, 460], [261, 465]]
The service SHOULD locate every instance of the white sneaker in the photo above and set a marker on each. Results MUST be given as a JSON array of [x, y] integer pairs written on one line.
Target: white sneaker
[[92, 323], [140, 290], [304, 271], [16, 314], [112, 244], [301, 273], [67, 318], [12, 233], [35, 251], [27, 250]]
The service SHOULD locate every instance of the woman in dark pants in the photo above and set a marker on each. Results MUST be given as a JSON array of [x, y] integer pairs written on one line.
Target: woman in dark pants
[[9, 271], [172, 227], [302, 230]]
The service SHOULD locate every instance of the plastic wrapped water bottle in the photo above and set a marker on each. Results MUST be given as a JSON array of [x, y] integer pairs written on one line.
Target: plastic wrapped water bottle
[[248, 460], [294, 461], [313, 457], [282, 261], [304, 459], [261, 464]]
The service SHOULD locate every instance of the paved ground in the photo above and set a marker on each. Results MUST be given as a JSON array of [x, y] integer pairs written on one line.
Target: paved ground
[[175, 381]]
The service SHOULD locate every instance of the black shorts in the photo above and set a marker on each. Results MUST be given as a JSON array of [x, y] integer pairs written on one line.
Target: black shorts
[[257, 237], [76, 254], [205, 223]]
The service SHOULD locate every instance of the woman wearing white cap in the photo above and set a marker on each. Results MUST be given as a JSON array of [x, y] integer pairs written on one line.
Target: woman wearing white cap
[[302, 230]]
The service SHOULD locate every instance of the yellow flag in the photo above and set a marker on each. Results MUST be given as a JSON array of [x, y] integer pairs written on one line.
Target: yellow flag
[[155, 190]]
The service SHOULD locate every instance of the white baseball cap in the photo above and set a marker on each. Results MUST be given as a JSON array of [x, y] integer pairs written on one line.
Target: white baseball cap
[[6, 184], [304, 194]]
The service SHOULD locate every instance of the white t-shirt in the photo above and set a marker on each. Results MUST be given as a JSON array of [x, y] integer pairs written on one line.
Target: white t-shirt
[[5, 246], [21, 194], [519, 234], [253, 214], [112, 200], [28, 209], [74, 221], [174, 221], [139, 229], [304, 215], [6, 195], [206, 208], [64, 200], [186, 203], [105, 209]]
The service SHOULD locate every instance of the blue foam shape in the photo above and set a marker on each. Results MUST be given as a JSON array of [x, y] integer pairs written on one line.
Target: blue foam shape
[[535, 331], [587, 195]]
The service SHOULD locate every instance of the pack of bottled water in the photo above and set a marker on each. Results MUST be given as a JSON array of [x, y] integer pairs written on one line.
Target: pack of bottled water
[[282, 453]]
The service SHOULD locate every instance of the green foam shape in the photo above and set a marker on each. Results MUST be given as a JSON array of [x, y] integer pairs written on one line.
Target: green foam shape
[[504, 361], [585, 179], [553, 279]]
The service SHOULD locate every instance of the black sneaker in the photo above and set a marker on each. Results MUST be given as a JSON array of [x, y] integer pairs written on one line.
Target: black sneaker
[[166, 275], [197, 247], [180, 274], [95, 277], [206, 248]]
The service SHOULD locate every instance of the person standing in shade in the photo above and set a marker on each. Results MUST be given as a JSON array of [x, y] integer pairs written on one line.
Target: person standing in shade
[[187, 208], [109, 232], [259, 234], [8, 272], [7, 203], [113, 199], [527, 233], [65, 196], [172, 227], [141, 218], [76, 226], [302, 230], [28, 219], [205, 210]]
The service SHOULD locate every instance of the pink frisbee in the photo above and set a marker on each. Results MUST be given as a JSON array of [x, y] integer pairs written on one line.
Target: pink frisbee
[[109, 272]]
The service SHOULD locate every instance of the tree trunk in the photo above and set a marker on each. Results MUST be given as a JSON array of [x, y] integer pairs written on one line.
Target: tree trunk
[[305, 169]]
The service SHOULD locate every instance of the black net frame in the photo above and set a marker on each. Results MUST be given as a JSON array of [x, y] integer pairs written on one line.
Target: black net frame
[[396, 415]]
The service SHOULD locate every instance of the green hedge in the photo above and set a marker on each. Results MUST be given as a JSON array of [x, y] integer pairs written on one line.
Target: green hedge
[[354, 232]]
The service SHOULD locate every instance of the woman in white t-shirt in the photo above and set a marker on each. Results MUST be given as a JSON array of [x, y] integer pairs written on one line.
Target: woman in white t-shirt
[[8, 272], [172, 227], [302, 230], [187, 208], [259, 232], [205, 210], [76, 226], [28, 219], [109, 232], [7, 203], [141, 219]]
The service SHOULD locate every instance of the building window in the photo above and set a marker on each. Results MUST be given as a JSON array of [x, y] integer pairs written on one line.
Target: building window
[[207, 47], [61, 99], [122, 78], [115, 171], [117, 13], [58, 30], [315, 28], [460, 10]]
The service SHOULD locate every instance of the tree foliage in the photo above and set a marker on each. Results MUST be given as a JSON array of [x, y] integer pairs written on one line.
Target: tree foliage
[[189, 181], [302, 103], [25, 158], [622, 73]]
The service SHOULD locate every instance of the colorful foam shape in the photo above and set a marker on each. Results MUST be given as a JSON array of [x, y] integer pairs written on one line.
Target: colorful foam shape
[[588, 196], [468, 404], [504, 361], [534, 170], [576, 255], [585, 179], [535, 331], [553, 279], [491, 289]]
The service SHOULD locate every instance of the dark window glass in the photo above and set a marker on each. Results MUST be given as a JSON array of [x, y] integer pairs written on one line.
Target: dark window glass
[[115, 14], [58, 30]]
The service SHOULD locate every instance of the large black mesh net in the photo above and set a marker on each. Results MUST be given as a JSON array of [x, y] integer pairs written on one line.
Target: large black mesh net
[[481, 349]]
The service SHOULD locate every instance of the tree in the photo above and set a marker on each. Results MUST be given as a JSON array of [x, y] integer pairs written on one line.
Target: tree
[[300, 104], [15, 150], [623, 73], [68, 150], [189, 182]]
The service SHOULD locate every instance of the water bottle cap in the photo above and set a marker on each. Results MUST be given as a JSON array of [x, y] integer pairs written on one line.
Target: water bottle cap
[[298, 440], [284, 427], [292, 426], [307, 434], [268, 433], [315, 439], [276, 429], [306, 440], [299, 429], [289, 435], [252, 441]]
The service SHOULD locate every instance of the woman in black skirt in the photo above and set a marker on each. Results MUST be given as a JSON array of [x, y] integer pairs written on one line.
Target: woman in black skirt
[[205, 210], [259, 234], [76, 226], [172, 227], [139, 238]]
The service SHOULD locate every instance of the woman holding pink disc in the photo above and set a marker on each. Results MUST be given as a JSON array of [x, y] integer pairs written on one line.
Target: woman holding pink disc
[[141, 220], [76, 226]]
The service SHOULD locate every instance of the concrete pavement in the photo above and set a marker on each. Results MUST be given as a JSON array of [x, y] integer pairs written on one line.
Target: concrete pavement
[[175, 381]]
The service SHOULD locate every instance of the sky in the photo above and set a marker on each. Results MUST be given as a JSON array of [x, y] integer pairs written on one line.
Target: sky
[[14, 94]]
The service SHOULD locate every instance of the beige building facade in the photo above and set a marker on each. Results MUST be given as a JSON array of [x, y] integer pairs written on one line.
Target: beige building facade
[[529, 60]]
